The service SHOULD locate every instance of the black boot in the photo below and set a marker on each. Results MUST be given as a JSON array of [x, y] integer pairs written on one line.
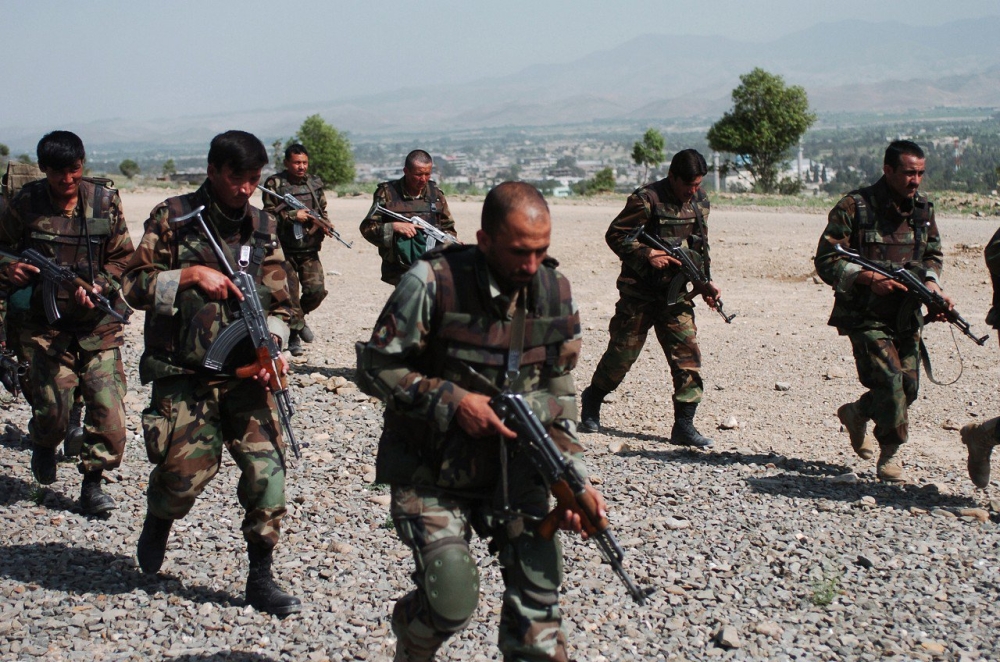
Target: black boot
[[684, 432], [295, 343], [262, 593], [590, 413], [306, 333], [73, 443], [43, 464], [153, 543], [93, 501]]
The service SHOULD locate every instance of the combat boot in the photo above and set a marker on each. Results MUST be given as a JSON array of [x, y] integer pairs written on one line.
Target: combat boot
[[93, 501], [262, 593], [857, 427], [590, 411], [43, 464], [889, 467], [684, 432], [153, 543], [306, 333], [980, 438], [75, 434], [295, 344]]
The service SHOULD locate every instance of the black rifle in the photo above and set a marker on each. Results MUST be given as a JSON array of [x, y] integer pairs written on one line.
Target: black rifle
[[250, 322], [54, 276], [11, 371], [934, 301], [297, 230], [688, 267], [564, 482]]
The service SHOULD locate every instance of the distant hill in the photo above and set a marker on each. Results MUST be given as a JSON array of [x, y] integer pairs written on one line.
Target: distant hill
[[849, 66]]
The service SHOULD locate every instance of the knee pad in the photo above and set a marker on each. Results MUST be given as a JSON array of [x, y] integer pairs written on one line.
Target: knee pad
[[450, 579]]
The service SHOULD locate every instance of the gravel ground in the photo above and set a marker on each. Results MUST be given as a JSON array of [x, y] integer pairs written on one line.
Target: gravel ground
[[779, 544]]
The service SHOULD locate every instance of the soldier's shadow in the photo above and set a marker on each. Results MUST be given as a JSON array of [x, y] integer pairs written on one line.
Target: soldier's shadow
[[13, 490], [222, 656], [886, 495], [60, 567], [684, 455], [325, 370]]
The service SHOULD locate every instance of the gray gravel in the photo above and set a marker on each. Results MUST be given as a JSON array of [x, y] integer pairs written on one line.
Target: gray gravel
[[779, 544]]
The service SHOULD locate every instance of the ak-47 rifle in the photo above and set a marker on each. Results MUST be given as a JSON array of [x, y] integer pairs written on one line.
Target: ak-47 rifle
[[54, 276], [11, 371], [564, 482], [690, 270], [297, 229], [933, 300], [250, 322], [433, 232]]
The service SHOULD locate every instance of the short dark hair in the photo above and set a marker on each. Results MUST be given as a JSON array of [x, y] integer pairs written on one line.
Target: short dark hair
[[894, 152], [59, 150], [505, 198], [687, 165], [239, 150], [417, 157], [297, 148]]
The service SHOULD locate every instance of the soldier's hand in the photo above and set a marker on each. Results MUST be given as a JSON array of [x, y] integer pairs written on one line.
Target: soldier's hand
[[477, 418], [405, 229], [939, 315], [83, 299], [215, 284], [879, 284], [21, 272], [711, 294], [302, 215], [660, 260], [571, 521]]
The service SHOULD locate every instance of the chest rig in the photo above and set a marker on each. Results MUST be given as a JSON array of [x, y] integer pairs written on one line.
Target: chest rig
[[875, 237], [681, 226]]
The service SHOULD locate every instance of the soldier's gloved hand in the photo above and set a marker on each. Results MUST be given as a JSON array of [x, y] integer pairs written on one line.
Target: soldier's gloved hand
[[660, 260], [571, 520], [477, 418], [939, 315], [20, 273], [879, 284], [405, 229]]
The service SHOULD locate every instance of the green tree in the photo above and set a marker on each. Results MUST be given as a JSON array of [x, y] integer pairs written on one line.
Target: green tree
[[129, 168], [767, 119], [602, 182], [278, 152], [649, 152], [25, 158], [330, 154], [169, 167], [4, 152]]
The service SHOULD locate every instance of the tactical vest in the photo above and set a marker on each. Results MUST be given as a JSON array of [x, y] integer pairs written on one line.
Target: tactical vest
[[183, 339], [406, 250], [904, 244], [308, 193]]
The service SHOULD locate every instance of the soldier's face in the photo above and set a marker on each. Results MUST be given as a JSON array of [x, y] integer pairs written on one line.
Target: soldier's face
[[64, 182], [233, 189], [518, 248], [297, 165], [684, 191], [416, 178], [904, 180]]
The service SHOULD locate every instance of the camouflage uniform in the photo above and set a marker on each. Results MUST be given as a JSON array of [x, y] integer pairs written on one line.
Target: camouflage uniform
[[654, 297], [82, 349], [193, 412], [884, 331], [305, 277], [399, 252], [444, 332]]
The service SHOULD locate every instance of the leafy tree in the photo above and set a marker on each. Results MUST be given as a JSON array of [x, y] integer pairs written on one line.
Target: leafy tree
[[278, 153], [330, 154], [4, 151], [603, 182], [25, 158], [129, 168], [649, 152], [169, 167], [767, 119]]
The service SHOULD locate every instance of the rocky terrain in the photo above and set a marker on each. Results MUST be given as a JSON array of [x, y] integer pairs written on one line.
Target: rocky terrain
[[778, 544]]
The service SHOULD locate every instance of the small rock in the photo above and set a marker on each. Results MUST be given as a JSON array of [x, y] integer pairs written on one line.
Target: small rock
[[995, 505], [845, 479], [865, 562], [951, 425], [321, 437], [782, 386], [595, 479], [914, 510], [769, 629], [381, 499], [729, 424], [943, 514], [346, 390], [728, 637], [341, 548], [979, 514], [867, 500], [619, 447], [835, 373], [933, 646], [611, 397], [677, 523]]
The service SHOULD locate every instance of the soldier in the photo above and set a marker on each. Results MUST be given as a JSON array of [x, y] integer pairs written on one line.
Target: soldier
[[892, 223], [305, 277], [194, 414], [443, 343], [78, 223], [399, 244], [676, 210]]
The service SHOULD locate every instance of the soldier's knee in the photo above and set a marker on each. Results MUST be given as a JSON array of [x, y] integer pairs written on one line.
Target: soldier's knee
[[537, 570], [450, 579]]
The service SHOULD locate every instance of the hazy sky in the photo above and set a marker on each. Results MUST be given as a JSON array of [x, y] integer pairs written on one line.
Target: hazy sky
[[73, 61]]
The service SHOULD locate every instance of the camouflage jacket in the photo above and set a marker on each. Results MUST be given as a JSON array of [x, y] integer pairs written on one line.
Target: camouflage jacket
[[886, 232], [398, 252], [33, 221], [310, 193], [181, 324], [445, 332], [676, 223], [992, 255]]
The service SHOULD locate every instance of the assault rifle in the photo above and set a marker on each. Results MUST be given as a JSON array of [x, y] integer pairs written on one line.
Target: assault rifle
[[933, 300], [297, 229], [250, 322], [431, 231], [54, 276], [688, 267], [565, 483], [11, 371]]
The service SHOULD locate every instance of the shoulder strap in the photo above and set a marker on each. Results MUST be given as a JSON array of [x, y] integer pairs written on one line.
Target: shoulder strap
[[432, 196]]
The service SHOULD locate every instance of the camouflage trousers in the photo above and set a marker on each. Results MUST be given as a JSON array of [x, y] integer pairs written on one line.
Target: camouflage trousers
[[54, 376], [186, 426], [889, 367], [676, 332], [530, 618], [305, 286]]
